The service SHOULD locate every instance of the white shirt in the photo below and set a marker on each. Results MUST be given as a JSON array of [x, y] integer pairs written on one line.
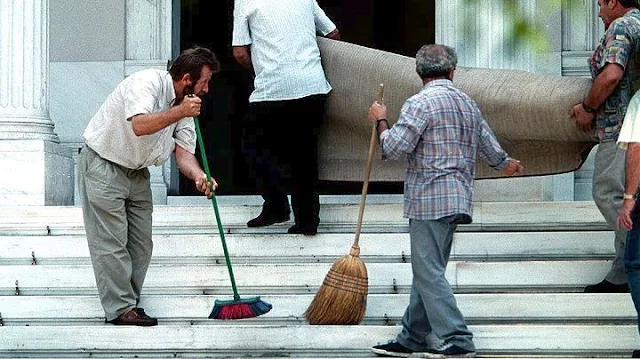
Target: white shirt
[[284, 49], [630, 131], [110, 132]]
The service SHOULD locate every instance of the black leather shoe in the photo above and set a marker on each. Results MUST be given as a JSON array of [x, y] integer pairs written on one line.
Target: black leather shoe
[[135, 316], [607, 287], [635, 354], [267, 219], [300, 229]]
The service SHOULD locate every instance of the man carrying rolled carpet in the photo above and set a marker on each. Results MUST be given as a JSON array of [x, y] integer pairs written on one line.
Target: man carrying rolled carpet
[[614, 69], [276, 41], [440, 130], [144, 120]]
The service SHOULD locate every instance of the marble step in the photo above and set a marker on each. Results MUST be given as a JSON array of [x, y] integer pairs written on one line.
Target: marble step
[[335, 217], [382, 309], [164, 341], [464, 276], [323, 248]]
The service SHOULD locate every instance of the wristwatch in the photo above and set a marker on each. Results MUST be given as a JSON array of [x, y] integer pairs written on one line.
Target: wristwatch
[[588, 109], [628, 196]]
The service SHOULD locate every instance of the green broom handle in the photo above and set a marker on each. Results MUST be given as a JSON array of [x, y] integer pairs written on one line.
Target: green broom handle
[[205, 164]]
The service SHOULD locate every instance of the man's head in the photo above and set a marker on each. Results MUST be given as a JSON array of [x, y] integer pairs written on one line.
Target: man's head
[[610, 10], [436, 61], [192, 70]]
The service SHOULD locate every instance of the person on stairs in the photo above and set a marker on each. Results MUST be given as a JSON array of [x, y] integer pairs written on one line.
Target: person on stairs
[[615, 71], [146, 118], [440, 130], [629, 217], [276, 41]]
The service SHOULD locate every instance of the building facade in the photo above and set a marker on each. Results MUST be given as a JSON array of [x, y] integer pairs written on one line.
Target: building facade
[[59, 59]]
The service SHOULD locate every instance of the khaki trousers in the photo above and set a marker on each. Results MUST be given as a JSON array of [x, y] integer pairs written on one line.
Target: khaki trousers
[[117, 207]]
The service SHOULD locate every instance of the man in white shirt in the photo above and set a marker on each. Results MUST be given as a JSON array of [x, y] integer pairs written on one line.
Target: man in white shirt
[[146, 118], [276, 41], [629, 218]]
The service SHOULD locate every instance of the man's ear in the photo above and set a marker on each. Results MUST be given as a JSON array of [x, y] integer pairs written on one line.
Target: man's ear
[[186, 78], [612, 3]]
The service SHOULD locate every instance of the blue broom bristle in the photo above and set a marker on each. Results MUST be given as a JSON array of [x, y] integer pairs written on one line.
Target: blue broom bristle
[[239, 309]]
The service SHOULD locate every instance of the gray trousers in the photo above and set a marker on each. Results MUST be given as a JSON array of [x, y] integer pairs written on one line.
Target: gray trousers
[[432, 307], [608, 188], [117, 207]]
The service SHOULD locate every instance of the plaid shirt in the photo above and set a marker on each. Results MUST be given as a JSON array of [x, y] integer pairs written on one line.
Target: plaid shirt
[[441, 130], [620, 45]]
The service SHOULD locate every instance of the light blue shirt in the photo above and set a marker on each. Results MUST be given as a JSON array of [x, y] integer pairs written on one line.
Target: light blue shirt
[[284, 49]]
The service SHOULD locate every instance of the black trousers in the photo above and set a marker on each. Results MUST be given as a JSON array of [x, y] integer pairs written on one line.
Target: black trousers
[[281, 140]]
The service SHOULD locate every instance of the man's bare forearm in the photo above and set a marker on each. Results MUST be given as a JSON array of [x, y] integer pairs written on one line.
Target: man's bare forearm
[[188, 164], [632, 168], [604, 85], [150, 123], [243, 56]]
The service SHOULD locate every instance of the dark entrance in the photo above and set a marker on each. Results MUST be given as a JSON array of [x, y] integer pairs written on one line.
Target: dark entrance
[[396, 26]]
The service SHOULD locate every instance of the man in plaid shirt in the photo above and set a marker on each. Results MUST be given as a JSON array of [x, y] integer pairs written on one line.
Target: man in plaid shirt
[[440, 130]]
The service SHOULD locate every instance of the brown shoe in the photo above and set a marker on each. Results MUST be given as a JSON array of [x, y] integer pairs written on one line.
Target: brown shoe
[[135, 316]]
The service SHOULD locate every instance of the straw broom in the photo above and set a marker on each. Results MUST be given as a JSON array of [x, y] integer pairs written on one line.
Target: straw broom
[[342, 297]]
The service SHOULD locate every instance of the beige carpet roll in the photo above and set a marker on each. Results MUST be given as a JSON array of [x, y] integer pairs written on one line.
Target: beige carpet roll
[[527, 111]]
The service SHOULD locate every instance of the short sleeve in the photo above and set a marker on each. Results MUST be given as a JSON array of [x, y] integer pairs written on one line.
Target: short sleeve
[[185, 134], [241, 32], [141, 95], [630, 131], [323, 24], [617, 45]]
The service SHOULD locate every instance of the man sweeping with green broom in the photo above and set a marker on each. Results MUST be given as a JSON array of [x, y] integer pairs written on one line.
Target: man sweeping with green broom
[[441, 130]]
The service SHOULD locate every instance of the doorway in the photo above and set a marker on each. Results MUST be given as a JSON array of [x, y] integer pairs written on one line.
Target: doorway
[[400, 27]]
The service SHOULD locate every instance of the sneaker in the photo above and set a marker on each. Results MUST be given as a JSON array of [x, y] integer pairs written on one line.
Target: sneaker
[[394, 349], [607, 287], [449, 350]]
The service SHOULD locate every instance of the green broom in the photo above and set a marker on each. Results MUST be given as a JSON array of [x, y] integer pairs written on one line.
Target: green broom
[[237, 308]]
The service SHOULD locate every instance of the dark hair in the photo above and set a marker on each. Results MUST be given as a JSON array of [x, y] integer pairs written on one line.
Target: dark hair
[[435, 61], [191, 62]]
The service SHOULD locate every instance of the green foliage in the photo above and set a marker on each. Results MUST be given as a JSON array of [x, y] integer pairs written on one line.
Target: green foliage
[[524, 29]]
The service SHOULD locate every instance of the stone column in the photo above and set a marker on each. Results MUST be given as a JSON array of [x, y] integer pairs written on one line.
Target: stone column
[[148, 44], [480, 34], [35, 168]]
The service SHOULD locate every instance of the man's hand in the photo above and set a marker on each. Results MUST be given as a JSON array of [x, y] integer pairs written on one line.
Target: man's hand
[[190, 106], [624, 219], [513, 168], [377, 112], [584, 119], [334, 35], [206, 187]]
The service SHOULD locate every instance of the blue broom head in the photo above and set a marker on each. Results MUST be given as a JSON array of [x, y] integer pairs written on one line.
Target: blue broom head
[[239, 309]]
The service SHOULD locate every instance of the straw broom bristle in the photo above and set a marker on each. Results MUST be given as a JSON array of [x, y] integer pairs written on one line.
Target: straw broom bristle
[[342, 297]]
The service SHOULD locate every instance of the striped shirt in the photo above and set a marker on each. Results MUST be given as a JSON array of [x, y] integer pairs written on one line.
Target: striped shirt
[[441, 130], [284, 49]]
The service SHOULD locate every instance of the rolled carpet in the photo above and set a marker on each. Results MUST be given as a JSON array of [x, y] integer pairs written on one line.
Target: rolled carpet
[[527, 112]]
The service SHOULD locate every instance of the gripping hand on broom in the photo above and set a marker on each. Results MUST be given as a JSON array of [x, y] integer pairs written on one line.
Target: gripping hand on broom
[[236, 308]]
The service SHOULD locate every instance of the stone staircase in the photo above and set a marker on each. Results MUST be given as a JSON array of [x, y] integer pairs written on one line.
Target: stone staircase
[[517, 271]]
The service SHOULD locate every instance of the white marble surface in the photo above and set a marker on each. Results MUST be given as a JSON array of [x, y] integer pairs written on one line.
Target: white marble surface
[[35, 173], [78, 89]]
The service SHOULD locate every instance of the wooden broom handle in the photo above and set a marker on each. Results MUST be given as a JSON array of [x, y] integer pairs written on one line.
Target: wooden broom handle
[[365, 185]]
